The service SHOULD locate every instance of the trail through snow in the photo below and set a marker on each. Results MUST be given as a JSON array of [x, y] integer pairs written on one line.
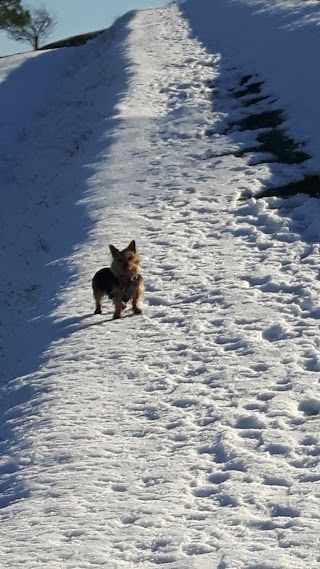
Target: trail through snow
[[189, 434]]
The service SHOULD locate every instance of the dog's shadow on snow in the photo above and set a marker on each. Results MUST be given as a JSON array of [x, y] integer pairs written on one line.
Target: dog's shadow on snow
[[65, 327]]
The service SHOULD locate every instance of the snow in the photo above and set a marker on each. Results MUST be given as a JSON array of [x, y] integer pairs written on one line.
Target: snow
[[188, 436], [279, 40]]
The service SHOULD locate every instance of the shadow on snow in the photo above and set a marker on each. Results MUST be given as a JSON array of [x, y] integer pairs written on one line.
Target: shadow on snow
[[55, 180]]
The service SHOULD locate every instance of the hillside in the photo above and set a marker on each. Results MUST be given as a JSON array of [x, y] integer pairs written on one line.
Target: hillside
[[187, 436]]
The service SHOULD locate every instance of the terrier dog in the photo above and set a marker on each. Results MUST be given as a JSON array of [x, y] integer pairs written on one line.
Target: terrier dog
[[121, 282]]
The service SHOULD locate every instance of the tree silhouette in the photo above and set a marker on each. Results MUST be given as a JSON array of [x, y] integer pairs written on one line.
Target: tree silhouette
[[39, 26]]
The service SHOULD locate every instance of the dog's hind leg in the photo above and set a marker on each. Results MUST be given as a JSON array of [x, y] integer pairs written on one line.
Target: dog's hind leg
[[98, 295]]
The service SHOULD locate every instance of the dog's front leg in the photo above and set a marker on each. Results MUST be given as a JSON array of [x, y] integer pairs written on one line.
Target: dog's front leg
[[136, 298], [118, 306]]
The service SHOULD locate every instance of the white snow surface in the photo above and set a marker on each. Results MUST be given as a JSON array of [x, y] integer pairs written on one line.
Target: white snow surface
[[187, 437]]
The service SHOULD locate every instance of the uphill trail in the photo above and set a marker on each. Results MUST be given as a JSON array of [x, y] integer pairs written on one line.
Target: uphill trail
[[190, 432]]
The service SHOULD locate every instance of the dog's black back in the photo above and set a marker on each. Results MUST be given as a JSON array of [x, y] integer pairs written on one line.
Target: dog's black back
[[105, 282]]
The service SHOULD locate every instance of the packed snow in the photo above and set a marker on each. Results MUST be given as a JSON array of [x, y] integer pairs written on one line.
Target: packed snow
[[189, 436]]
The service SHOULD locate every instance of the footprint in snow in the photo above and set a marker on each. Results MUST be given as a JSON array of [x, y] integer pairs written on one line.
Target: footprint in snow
[[283, 385], [118, 487], [250, 422], [275, 332], [278, 510], [310, 406]]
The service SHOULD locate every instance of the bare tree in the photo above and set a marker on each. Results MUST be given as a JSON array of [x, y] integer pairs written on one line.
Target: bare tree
[[38, 27]]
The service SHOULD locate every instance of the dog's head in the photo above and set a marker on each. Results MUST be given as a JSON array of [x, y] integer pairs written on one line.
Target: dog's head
[[126, 263]]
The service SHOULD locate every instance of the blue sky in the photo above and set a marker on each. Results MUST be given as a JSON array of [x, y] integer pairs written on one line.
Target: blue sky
[[76, 17]]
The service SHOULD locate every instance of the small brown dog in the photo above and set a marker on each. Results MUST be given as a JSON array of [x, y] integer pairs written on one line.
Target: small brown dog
[[121, 282]]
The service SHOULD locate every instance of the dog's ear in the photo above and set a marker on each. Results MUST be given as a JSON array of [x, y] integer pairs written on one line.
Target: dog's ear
[[114, 251], [132, 246]]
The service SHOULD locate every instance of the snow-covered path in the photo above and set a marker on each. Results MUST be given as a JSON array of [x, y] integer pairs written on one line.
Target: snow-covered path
[[190, 433]]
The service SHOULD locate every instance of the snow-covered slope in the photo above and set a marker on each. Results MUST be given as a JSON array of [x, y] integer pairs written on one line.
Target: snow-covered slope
[[188, 436], [278, 39]]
